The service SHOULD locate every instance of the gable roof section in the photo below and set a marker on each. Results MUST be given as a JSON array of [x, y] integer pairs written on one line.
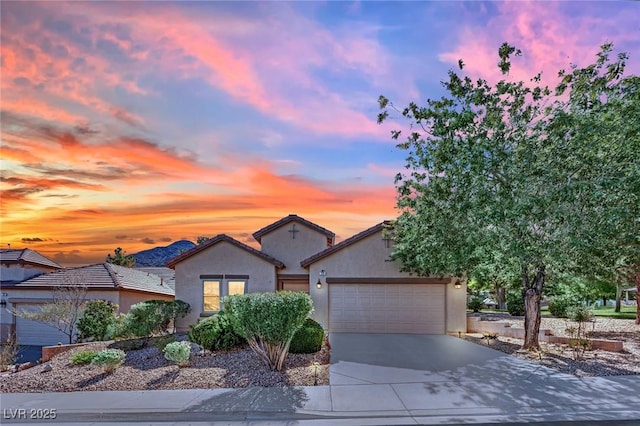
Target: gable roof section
[[292, 218], [349, 241], [218, 239], [27, 256], [101, 276]]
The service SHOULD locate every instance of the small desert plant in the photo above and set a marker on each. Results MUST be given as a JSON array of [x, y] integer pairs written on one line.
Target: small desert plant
[[215, 333], [178, 352], [578, 341], [8, 352], [489, 337], [83, 357], [109, 359], [475, 303], [308, 339]]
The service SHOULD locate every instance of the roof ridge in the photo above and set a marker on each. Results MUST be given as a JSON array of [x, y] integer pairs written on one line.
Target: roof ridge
[[291, 217], [112, 273]]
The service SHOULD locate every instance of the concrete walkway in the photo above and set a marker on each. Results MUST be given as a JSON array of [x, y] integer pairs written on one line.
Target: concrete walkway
[[488, 387]]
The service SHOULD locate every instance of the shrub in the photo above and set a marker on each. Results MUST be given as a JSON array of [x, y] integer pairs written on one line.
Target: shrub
[[515, 303], [178, 352], [109, 359], [308, 339], [83, 357], [98, 320], [152, 317], [578, 340], [268, 321], [476, 303], [215, 333], [8, 352], [559, 306]]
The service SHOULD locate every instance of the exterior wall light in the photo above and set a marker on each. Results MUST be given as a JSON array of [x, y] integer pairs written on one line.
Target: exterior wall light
[[322, 273], [457, 285], [319, 284]]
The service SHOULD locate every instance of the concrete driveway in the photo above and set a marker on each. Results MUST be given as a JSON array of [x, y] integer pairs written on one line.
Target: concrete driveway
[[405, 358]]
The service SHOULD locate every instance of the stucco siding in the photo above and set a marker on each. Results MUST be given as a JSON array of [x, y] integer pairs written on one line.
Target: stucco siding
[[16, 272], [221, 259], [279, 244], [369, 258]]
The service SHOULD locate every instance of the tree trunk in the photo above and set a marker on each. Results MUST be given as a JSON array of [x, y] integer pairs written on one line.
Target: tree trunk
[[532, 292], [638, 296], [618, 297]]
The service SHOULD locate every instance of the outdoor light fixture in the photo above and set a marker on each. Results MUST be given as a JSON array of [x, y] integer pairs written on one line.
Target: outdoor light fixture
[[319, 284], [322, 273], [457, 284], [3, 302]]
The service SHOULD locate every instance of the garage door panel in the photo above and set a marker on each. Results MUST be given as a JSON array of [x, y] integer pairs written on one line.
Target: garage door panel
[[35, 333], [387, 308]]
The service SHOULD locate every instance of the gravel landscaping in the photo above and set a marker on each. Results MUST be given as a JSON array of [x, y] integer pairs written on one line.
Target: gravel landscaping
[[147, 369], [560, 357]]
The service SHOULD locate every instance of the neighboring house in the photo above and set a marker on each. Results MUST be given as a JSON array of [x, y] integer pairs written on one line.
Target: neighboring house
[[168, 275], [354, 285], [16, 266], [117, 284]]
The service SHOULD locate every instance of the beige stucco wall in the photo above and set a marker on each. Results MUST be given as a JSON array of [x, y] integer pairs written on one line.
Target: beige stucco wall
[[129, 298], [369, 258], [221, 259], [279, 244], [17, 272]]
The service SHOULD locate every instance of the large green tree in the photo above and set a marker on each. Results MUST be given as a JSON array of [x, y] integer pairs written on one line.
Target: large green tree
[[121, 258], [521, 178]]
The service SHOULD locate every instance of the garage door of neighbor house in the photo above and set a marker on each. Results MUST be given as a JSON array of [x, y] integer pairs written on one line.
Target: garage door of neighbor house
[[30, 332], [387, 308]]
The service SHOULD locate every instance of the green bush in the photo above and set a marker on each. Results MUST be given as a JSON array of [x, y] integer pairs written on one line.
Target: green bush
[[109, 359], [98, 320], [515, 303], [215, 333], [268, 321], [308, 339], [83, 357], [151, 317], [559, 306], [476, 303], [579, 313], [178, 352]]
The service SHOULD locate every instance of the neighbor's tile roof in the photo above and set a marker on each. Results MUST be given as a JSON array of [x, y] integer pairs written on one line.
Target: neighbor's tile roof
[[351, 240], [167, 274], [101, 276], [28, 256], [292, 218], [217, 239]]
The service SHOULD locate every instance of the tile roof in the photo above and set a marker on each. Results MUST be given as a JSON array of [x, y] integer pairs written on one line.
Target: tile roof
[[217, 239], [292, 218], [28, 256], [351, 240], [168, 275], [101, 276]]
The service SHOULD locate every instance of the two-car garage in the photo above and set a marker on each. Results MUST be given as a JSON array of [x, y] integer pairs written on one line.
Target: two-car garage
[[387, 308]]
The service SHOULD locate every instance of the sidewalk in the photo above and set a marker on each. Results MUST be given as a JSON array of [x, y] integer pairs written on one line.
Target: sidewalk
[[542, 397]]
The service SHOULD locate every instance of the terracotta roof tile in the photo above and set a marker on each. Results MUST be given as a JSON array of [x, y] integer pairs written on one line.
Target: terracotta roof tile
[[28, 256]]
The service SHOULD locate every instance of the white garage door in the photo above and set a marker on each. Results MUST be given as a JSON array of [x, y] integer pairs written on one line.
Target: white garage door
[[30, 332], [387, 308]]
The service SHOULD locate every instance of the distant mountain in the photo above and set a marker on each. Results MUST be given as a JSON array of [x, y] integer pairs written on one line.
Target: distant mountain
[[159, 256]]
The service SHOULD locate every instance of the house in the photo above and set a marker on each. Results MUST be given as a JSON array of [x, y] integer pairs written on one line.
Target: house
[[354, 285], [16, 266], [117, 284]]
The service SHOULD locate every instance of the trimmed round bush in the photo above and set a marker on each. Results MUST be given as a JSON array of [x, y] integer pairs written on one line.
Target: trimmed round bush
[[308, 339], [109, 359], [178, 352], [215, 333], [515, 303], [83, 357], [559, 306]]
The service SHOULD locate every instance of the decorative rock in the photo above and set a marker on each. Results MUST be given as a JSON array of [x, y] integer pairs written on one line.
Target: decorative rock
[[47, 367]]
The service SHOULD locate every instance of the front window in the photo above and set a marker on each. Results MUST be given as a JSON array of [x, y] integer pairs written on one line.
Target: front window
[[214, 289], [211, 295]]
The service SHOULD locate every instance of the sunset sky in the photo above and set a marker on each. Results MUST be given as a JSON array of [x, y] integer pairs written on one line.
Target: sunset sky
[[136, 124]]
